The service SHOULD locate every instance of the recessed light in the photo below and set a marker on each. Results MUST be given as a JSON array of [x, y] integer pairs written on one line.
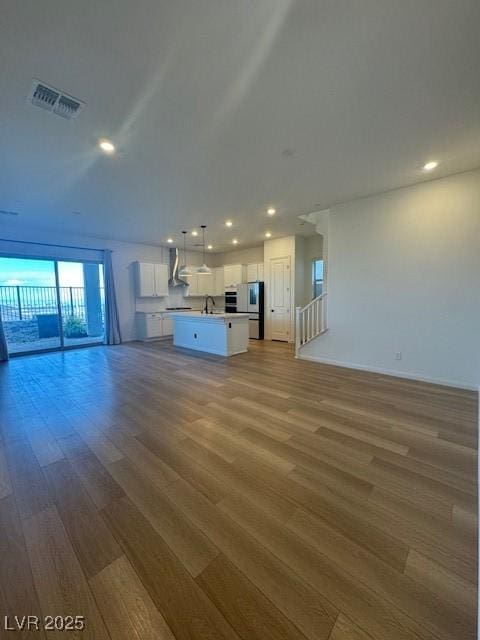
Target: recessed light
[[106, 146], [271, 211], [228, 223], [169, 240], [234, 241], [268, 234], [209, 246], [194, 233], [430, 166]]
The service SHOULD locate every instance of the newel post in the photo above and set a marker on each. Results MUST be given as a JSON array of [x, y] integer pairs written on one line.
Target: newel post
[[297, 330]]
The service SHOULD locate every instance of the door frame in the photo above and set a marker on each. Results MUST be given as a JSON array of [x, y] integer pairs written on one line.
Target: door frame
[[59, 308], [62, 346], [291, 336]]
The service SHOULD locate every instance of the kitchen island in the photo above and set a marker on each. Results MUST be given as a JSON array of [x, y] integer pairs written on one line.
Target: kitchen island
[[224, 334]]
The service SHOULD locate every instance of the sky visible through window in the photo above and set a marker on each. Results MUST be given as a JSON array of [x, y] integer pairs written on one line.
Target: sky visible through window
[[317, 277], [39, 273], [318, 269]]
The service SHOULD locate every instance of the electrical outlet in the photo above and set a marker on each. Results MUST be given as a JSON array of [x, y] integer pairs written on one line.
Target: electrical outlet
[[398, 355]]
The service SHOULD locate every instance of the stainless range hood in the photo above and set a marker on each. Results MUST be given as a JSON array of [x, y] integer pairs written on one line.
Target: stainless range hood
[[174, 280]]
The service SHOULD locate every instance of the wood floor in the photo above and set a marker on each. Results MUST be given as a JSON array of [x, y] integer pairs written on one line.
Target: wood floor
[[168, 494]]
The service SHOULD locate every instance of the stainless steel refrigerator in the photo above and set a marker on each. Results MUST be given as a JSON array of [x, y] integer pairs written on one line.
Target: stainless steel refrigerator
[[250, 300]]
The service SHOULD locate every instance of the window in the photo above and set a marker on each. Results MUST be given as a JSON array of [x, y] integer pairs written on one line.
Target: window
[[317, 277]]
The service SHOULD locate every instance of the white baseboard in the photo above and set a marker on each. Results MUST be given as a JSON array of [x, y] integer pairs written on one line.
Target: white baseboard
[[389, 372]]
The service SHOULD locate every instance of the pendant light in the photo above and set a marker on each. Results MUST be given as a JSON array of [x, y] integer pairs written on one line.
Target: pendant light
[[204, 270], [185, 271]]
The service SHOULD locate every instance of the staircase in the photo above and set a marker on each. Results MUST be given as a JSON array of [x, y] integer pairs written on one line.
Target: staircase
[[310, 321]]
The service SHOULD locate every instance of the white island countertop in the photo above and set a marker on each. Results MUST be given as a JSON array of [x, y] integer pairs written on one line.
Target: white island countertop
[[224, 334], [204, 316]]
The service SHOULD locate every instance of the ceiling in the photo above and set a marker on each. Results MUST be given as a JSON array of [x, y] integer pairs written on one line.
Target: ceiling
[[221, 108]]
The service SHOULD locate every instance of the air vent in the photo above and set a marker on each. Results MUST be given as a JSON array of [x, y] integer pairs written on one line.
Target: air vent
[[54, 100], [44, 96], [67, 107]]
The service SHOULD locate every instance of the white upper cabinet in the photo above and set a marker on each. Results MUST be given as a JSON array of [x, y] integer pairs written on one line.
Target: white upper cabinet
[[205, 284], [161, 279], [218, 282], [145, 279], [192, 289], [252, 272], [151, 280], [233, 274], [255, 272]]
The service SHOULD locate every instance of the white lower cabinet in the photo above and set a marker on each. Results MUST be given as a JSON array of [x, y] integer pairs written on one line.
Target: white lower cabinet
[[167, 325], [151, 326]]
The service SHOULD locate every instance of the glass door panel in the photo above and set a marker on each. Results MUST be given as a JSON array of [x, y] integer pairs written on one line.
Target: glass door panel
[[81, 293], [29, 304]]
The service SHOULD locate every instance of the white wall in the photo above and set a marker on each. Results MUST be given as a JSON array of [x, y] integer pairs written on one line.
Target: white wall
[[238, 256], [300, 273], [306, 249], [404, 276], [279, 248], [312, 249], [123, 256]]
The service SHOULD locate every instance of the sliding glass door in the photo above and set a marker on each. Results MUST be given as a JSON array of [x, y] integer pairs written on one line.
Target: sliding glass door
[[50, 304], [81, 293], [29, 304]]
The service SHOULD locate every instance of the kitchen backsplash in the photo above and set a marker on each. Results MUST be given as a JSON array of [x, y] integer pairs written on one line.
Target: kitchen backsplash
[[174, 299]]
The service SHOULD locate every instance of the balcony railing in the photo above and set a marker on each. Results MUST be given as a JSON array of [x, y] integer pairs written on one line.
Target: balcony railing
[[26, 303]]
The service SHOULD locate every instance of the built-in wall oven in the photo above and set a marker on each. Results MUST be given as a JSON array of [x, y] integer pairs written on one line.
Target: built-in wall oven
[[231, 300]]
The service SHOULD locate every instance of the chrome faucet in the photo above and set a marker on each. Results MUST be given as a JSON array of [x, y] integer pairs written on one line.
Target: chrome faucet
[[207, 298]]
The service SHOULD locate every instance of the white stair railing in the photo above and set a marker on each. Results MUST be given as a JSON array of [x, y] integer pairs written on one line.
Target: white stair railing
[[310, 321]]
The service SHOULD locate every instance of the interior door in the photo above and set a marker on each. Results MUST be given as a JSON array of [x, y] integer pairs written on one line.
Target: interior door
[[280, 301]]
